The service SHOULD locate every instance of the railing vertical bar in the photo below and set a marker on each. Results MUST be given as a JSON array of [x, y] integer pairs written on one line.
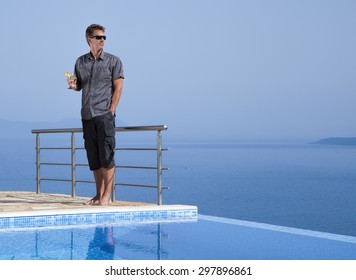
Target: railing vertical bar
[[73, 164], [159, 168], [38, 164]]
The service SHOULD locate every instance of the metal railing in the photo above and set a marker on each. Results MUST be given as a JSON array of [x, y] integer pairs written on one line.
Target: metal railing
[[73, 163]]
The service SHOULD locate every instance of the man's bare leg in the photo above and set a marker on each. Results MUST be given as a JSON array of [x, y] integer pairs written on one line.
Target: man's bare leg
[[100, 187], [103, 181], [108, 178]]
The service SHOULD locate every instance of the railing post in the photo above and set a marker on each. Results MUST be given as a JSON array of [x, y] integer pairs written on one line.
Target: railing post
[[73, 164], [159, 168], [38, 164]]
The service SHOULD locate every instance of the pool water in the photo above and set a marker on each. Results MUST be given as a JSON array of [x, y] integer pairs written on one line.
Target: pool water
[[207, 238]]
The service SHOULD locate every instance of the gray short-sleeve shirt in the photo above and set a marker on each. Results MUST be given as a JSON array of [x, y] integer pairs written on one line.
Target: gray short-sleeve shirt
[[96, 80]]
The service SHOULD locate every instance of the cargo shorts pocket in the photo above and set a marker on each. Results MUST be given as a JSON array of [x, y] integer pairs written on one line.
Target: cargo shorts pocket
[[110, 132]]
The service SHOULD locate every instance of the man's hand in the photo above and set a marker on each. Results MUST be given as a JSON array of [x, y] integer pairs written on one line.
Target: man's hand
[[72, 83]]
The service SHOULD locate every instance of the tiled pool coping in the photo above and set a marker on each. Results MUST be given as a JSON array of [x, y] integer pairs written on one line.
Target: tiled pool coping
[[43, 213], [65, 218]]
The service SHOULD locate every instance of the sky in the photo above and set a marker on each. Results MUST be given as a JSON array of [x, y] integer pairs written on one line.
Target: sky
[[226, 70]]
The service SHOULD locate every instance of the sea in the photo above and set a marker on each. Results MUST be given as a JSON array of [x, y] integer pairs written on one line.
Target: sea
[[302, 185]]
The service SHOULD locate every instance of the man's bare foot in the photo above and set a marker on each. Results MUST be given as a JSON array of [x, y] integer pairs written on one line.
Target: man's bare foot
[[93, 201], [104, 201]]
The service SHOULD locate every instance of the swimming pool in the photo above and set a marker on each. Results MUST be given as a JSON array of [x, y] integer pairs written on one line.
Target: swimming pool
[[208, 238]]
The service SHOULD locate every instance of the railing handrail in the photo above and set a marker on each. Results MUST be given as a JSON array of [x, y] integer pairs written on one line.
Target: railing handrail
[[73, 148], [117, 129]]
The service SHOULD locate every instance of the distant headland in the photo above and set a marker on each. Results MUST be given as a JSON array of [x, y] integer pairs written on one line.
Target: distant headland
[[349, 141]]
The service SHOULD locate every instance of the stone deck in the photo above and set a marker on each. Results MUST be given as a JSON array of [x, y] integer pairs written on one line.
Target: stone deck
[[30, 201]]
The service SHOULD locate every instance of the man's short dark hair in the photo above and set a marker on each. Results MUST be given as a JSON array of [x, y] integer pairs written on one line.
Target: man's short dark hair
[[90, 30]]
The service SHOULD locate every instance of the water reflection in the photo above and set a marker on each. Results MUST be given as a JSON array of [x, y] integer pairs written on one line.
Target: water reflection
[[144, 241], [127, 242], [102, 247], [103, 242]]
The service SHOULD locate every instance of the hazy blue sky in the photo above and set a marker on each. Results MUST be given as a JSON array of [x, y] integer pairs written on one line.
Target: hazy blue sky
[[214, 69]]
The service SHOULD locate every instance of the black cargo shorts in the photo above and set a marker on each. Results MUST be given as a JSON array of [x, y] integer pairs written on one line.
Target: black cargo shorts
[[99, 141]]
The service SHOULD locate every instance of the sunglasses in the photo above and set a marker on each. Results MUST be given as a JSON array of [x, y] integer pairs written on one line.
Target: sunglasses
[[97, 37]]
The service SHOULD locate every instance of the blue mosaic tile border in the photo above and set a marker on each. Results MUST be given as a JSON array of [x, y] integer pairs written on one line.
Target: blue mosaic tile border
[[96, 218]]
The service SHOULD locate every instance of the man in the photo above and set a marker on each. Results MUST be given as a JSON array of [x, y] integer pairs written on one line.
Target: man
[[100, 77]]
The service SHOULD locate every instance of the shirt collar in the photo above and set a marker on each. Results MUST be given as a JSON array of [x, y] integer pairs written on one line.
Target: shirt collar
[[101, 57]]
